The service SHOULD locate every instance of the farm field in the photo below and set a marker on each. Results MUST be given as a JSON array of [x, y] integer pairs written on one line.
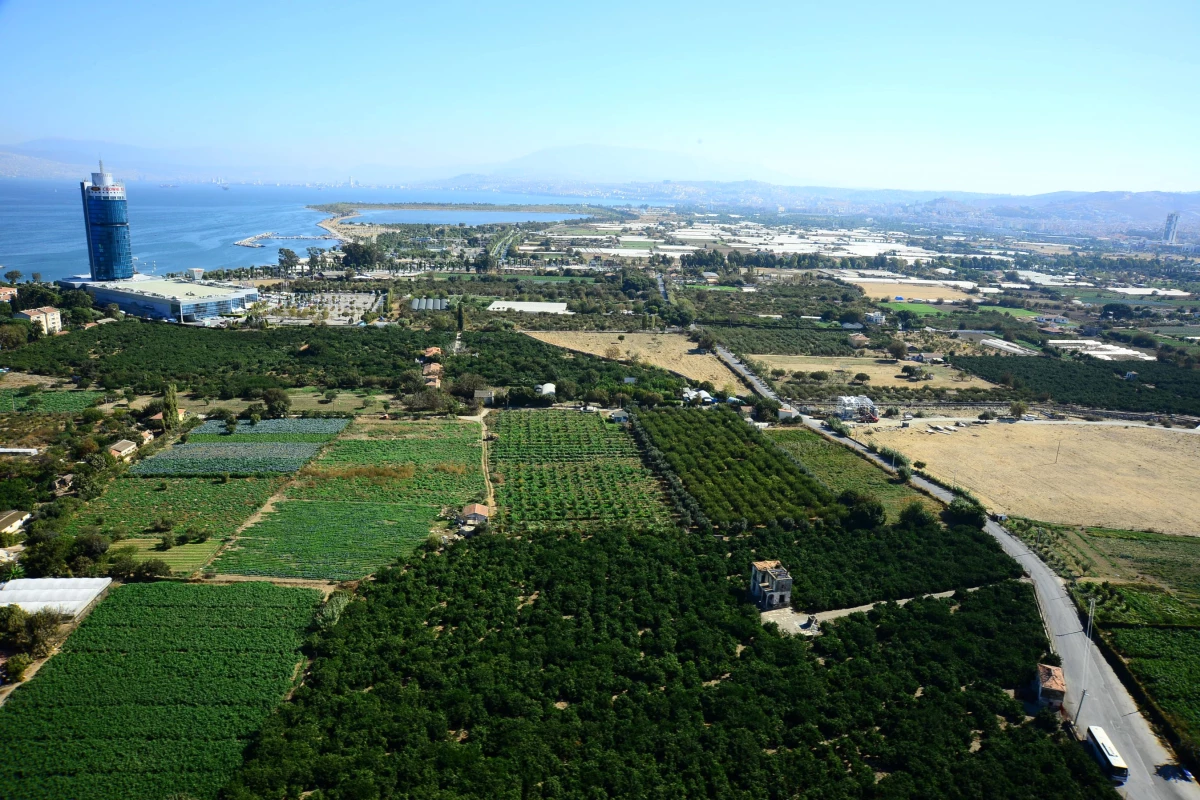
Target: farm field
[[200, 505], [566, 467], [1109, 476], [335, 541], [920, 309], [842, 470], [877, 289], [1166, 661], [271, 446], [49, 402], [883, 372], [732, 470], [669, 351], [783, 341], [157, 692], [183, 559], [369, 499]]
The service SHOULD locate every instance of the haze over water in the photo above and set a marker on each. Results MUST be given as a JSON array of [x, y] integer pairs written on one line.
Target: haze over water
[[196, 225]]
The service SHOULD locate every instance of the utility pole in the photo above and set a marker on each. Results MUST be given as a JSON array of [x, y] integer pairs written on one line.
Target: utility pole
[[1086, 662]]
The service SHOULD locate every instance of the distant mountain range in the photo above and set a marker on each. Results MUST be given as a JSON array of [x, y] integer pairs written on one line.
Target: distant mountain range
[[639, 175]]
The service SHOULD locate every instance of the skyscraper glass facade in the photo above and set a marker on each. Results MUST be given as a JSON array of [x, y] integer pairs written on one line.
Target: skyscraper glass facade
[[106, 218]]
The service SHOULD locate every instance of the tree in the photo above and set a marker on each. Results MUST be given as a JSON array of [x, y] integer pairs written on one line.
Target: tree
[[288, 261], [278, 403], [170, 410], [862, 377], [897, 349], [1018, 408], [12, 276], [37, 277], [612, 352], [459, 314]]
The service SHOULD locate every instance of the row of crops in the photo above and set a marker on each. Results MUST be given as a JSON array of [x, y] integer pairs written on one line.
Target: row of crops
[[563, 466], [369, 499], [731, 470], [783, 341], [267, 447], [156, 694]]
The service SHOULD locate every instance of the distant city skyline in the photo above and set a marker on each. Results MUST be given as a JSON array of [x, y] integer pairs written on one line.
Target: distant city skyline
[[1030, 99]]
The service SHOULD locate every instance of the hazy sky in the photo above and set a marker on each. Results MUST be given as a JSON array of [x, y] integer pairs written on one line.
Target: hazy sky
[[1010, 97]]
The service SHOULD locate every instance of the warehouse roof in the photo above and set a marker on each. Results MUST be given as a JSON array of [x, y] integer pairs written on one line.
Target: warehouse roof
[[532, 308]]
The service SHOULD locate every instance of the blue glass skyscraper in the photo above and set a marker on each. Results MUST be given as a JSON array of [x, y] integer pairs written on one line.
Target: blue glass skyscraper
[[106, 217]]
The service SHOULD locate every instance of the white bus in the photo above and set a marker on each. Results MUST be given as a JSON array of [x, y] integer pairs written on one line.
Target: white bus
[[1106, 754]]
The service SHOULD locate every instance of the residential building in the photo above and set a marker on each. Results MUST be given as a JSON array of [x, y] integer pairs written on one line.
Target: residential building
[[146, 436], [123, 450], [7, 293], [876, 317], [770, 585], [1051, 686], [11, 521], [858, 340], [485, 396], [432, 369], [433, 382], [430, 352], [47, 318], [620, 415], [106, 221], [787, 412], [474, 514]]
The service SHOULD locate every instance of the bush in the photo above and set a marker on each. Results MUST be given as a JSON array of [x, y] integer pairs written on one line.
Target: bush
[[153, 568], [16, 665], [964, 512]]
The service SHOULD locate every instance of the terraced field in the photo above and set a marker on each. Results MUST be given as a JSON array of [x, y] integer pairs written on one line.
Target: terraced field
[[562, 466]]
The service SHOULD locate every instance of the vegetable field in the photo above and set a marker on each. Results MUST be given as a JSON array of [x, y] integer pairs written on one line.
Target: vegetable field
[[68, 402], [563, 466], [197, 505], [233, 458], [372, 496], [327, 428], [326, 540], [736, 475], [842, 470], [158, 692], [183, 559]]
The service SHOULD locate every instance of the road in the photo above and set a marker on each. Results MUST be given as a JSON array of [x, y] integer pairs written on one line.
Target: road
[[741, 369], [1153, 774]]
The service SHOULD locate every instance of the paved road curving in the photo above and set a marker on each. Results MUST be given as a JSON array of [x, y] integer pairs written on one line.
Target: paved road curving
[[1153, 771]]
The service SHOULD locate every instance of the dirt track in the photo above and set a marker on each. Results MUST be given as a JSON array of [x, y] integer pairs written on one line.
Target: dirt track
[[669, 351], [1135, 477]]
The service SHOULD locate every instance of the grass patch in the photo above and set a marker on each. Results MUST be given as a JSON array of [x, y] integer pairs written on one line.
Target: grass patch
[[48, 402], [842, 470], [183, 559], [920, 309]]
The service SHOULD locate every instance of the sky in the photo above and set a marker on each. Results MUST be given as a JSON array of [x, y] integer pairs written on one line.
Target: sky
[[1016, 97]]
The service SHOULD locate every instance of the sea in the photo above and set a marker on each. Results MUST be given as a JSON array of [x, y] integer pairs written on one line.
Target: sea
[[174, 228]]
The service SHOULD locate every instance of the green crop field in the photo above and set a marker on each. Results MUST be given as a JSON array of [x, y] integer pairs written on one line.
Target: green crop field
[[1016, 312], [48, 402], [326, 540], [200, 505], [842, 470], [784, 341], [227, 458], [156, 694], [563, 466], [1166, 662], [921, 309], [183, 559]]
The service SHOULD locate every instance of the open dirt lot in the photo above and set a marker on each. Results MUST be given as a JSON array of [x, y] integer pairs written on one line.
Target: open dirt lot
[[670, 351], [883, 372], [877, 289], [1111, 476]]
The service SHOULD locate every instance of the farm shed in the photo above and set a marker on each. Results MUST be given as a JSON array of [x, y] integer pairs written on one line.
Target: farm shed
[[123, 449], [66, 595], [474, 513], [1051, 686]]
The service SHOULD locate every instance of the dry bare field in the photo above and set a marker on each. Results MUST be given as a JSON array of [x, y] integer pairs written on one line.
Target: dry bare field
[[883, 372], [1111, 476], [878, 289], [667, 350]]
